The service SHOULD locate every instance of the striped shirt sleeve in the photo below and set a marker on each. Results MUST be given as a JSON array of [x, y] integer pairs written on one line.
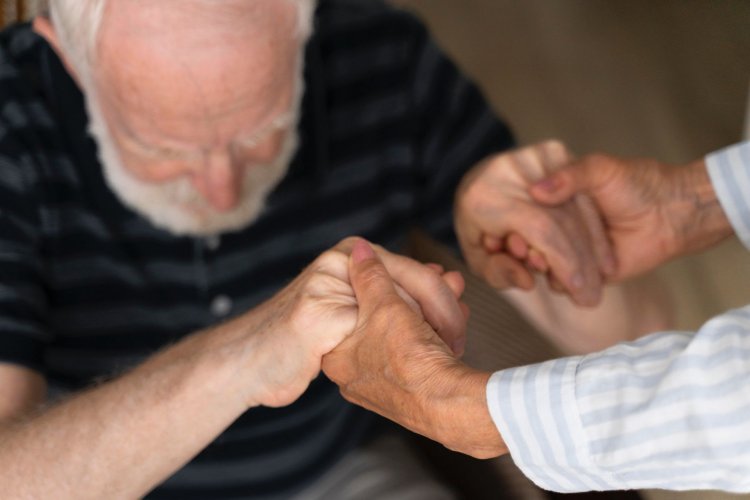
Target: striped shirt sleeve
[[670, 411], [729, 170]]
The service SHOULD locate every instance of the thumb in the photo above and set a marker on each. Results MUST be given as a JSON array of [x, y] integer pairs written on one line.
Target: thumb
[[369, 278], [562, 185]]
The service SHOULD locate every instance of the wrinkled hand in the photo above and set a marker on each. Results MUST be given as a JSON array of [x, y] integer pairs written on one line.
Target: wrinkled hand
[[316, 311], [652, 211], [396, 365], [505, 234]]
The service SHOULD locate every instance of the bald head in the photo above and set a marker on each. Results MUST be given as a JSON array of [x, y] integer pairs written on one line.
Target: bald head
[[77, 23], [164, 74]]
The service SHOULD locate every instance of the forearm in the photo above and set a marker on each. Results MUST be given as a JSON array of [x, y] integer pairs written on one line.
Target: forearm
[[124, 437], [626, 312]]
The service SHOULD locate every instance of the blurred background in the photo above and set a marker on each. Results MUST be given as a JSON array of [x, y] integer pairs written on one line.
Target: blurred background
[[662, 78]]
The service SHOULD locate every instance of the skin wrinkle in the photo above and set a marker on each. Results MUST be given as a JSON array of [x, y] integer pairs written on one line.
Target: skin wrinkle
[[168, 103]]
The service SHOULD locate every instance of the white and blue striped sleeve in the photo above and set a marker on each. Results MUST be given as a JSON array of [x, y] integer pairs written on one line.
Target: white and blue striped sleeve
[[671, 410]]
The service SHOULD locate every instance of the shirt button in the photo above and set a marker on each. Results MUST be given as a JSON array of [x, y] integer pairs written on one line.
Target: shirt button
[[213, 243], [221, 306]]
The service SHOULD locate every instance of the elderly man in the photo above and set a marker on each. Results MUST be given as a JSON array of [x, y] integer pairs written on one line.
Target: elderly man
[[671, 410], [168, 168]]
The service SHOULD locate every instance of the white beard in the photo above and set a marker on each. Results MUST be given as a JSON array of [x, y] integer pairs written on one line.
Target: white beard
[[176, 206]]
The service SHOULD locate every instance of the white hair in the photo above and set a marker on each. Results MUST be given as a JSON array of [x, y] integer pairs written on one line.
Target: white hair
[[77, 24]]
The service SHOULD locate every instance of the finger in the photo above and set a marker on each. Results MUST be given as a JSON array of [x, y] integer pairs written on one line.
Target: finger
[[370, 280], [561, 186], [491, 243], [554, 155], [517, 246], [503, 271], [409, 300], [433, 294], [465, 309], [455, 282], [556, 236], [536, 261], [555, 284], [436, 267], [585, 285], [600, 242]]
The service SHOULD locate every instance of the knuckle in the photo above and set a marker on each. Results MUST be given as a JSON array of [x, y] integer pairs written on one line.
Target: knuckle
[[347, 243], [557, 149], [329, 259], [555, 145], [372, 275]]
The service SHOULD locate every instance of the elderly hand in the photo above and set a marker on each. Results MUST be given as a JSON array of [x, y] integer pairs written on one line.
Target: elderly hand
[[318, 310], [500, 227], [652, 211], [396, 365]]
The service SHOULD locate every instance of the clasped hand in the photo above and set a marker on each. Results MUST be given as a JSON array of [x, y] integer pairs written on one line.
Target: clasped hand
[[506, 236], [318, 310]]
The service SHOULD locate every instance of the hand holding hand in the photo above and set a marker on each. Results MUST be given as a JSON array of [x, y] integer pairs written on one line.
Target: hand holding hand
[[652, 211], [316, 311], [396, 365], [500, 227]]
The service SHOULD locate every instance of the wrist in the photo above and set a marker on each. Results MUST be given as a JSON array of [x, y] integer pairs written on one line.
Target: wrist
[[273, 363], [700, 218], [458, 402]]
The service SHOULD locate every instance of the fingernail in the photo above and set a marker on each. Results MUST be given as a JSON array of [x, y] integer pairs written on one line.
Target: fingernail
[[362, 251]]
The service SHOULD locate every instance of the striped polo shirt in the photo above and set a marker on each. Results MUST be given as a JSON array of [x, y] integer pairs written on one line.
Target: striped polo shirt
[[88, 288]]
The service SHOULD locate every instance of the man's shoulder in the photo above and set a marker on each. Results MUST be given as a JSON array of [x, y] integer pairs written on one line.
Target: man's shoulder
[[26, 125], [21, 53], [20, 48], [372, 16]]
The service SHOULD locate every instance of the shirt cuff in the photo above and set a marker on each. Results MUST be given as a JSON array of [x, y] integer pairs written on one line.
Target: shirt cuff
[[535, 410], [729, 170]]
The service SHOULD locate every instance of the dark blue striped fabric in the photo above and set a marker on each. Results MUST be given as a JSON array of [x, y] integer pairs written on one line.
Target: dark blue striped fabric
[[88, 288]]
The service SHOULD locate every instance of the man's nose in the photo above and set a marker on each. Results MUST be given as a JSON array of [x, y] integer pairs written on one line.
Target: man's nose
[[219, 181]]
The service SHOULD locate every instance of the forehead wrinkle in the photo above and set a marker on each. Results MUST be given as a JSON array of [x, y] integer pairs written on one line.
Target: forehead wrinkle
[[199, 83]]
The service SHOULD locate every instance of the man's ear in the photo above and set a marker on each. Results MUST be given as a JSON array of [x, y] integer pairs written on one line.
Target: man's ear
[[43, 26]]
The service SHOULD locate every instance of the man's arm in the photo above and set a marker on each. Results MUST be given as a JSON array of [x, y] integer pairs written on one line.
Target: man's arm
[[123, 437]]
